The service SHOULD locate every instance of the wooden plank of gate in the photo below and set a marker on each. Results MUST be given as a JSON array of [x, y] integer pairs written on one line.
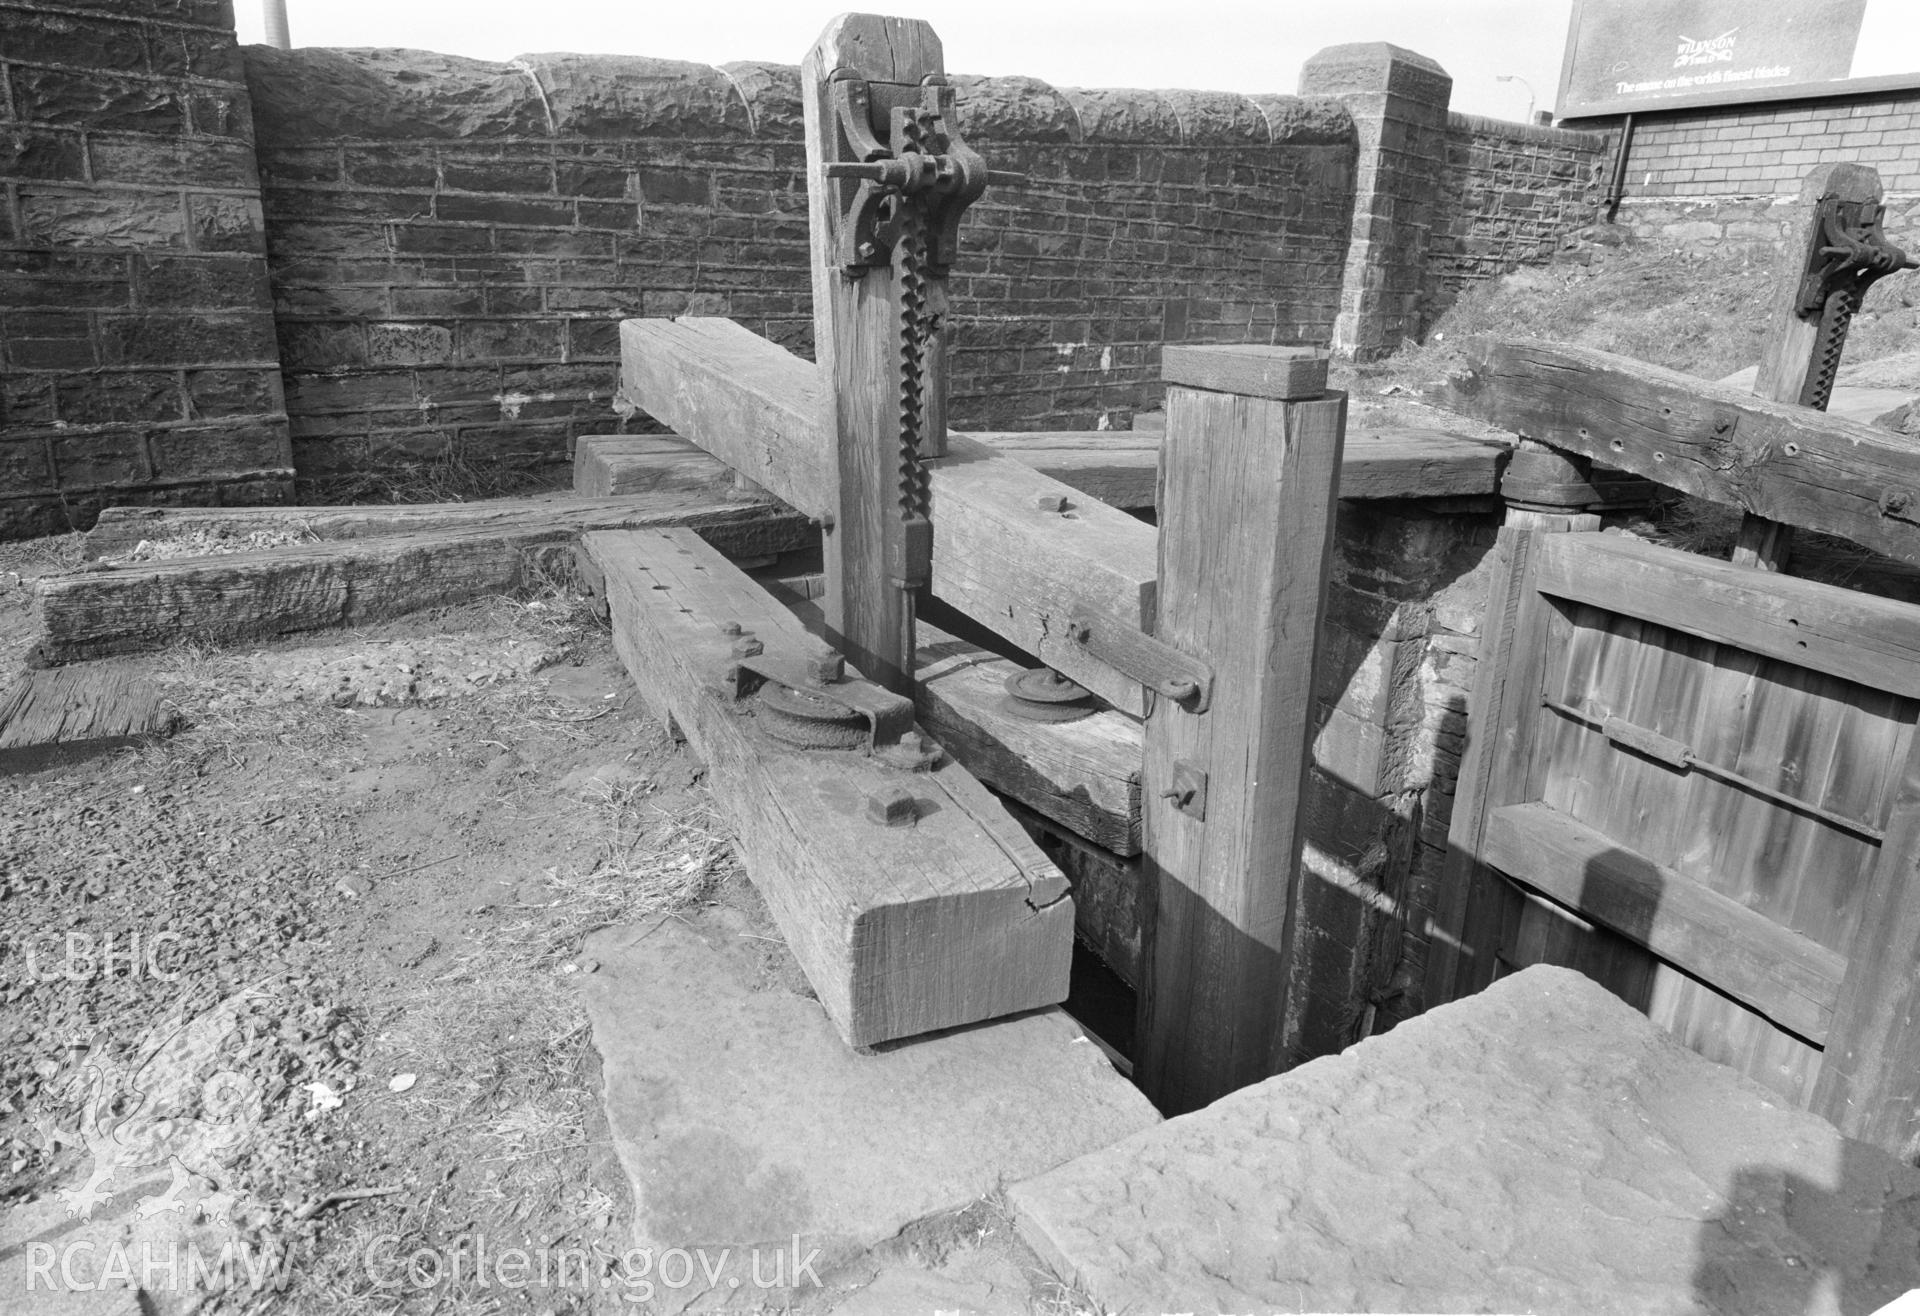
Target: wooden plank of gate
[[1784, 462], [1862, 638], [1464, 932], [1786, 356], [901, 930], [755, 406], [1244, 554], [59, 716], [1791, 979], [1869, 1082]]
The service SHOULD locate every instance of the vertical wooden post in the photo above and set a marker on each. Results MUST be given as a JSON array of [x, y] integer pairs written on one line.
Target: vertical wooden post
[[1544, 494], [857, 335], [1248, 475], [1787, 356]]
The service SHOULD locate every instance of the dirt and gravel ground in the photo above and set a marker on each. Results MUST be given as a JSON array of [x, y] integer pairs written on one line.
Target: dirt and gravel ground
[[358, 877]]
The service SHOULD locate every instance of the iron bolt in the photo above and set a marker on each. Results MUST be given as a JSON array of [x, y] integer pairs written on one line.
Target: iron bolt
[[1051, 503], [826, 669], [892, 806], [1179, 689], [1181, 796], [1079, 632], [730, 628], [868, 251], [748, 647]]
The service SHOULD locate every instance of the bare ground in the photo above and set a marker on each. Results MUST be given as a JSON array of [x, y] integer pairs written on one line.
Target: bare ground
[[362, 869]]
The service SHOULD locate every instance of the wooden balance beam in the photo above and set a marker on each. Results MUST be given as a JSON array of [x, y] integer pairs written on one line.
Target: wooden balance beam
[[1013, 548], [954, 917]]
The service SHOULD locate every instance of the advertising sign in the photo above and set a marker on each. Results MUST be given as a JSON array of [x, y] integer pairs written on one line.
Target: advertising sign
[[1628, 55]]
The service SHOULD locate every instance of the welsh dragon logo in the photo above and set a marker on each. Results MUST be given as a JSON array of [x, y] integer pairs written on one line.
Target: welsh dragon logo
[[174, 1104]]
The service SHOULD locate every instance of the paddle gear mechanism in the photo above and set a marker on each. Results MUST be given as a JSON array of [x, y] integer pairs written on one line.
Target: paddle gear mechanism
[[1847, 255], [903, 178], [1043, 695]]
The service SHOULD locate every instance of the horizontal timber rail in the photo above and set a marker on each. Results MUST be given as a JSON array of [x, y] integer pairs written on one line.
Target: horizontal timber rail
[[1777, 460], [999, 555]]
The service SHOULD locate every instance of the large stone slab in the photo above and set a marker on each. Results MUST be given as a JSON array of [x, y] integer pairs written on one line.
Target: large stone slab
[[1538, 1147], [745, 1123]]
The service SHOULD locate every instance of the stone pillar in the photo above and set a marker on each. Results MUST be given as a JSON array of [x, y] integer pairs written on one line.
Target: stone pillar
[[138, 358], [1399, 104]]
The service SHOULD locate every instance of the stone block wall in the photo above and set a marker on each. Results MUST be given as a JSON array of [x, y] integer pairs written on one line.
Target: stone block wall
[[1512, 192], [1404, 607], [454, 242], [139, 354]]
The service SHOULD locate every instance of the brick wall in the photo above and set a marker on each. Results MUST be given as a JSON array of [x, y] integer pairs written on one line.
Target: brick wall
[[139, 354], [1729, 174], [1512, 192], [453, 242]]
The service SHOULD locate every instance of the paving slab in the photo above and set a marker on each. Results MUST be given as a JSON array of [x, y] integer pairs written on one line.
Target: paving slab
[[1538, 1147], [1863, 403], [747, 1126]]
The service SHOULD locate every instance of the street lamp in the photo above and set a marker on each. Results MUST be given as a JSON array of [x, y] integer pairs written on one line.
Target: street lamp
[[1515, 77]]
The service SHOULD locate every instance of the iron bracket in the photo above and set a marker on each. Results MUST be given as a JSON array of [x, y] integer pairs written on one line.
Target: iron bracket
[[1188, 790], [1154, 663], [889, 716], [892, 145], [1848, 250]]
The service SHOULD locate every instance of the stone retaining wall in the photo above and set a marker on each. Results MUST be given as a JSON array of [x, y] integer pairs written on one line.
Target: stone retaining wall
[[1513, 193], [453, 242], [136, 333]]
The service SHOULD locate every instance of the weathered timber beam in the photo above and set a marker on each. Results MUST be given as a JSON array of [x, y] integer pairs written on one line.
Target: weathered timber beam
[[1245, 548], [1084, 775], [60, 717], [901, 930], [231, 597], [1120, 468], [612, 465], [1791, 979], [999, 554], [1123, 468], [1783, 462], [739, 527]]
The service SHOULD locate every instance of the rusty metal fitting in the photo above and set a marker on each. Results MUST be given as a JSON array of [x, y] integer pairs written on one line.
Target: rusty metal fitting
[[1051, 503], [748, 647], [892, 806], [826, 669]]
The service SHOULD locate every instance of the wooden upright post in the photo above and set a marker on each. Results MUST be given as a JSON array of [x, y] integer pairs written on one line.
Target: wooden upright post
[[886, 179], [1248, 477], [1789, 356]]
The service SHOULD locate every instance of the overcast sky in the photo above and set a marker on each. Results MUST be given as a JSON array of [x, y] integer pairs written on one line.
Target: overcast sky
[[1204, 45]]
